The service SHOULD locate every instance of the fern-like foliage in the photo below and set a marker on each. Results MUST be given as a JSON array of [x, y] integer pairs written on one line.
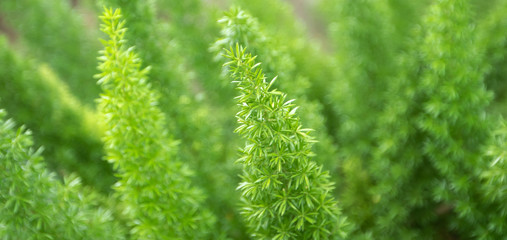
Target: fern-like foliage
[[287, 36], [33, 94], [365, 63], [492, 31], [35, 205], [432, 132], [193, 116], [397, 173], [493, 198], [154, 186], [496, 172], [286, 195], [238, 27], [44, 28], [454, 118], [291, 49], [167, 74]]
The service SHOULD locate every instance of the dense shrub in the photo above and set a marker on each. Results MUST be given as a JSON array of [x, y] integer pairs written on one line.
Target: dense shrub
[[35, 205], [57, 33], [140, 149], [33, 94], [405, 98]]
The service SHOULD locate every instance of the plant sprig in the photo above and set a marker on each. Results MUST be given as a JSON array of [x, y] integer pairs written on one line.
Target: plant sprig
[[285, 194], [154, 185]]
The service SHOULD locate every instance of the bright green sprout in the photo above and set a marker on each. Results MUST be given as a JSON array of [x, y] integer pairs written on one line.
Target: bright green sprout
[[285, 194], [154, 185]]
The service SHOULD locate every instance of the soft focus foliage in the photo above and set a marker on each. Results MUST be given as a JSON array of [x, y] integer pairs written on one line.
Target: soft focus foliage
[[33, 94], [406, 100], [57, 33], [35, 205]]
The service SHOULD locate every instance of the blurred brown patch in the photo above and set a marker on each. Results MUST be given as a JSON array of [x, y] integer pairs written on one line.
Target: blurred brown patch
[[5, 29]]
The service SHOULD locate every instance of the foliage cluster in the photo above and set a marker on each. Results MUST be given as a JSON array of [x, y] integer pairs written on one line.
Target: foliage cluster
[[154, 187], [279, 179], [403, 100]]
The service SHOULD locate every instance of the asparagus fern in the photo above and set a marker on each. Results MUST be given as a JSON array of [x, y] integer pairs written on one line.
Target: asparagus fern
[[238, 27], [285, 194], [34, 94], [154, 186], [34, 204]]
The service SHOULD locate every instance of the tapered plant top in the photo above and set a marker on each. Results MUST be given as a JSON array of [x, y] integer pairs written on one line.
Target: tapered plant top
[[154, 185], [285, 194]]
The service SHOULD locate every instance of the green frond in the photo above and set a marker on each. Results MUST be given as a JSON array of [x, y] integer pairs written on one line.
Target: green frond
[[273, 133], [34, 204], [238, 27], [154, 184]]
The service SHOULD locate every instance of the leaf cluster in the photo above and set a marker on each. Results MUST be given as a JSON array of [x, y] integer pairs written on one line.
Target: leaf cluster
[[238, 27], [285, 194], [140, 149], [34, 204], [33, 93]]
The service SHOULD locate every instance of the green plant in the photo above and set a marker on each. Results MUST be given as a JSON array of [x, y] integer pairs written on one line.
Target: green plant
[[154, 185], [432, 133], [454, 119], [366, 46], [491, 35], [398, 92], [241, 28], [192, 116], [195, 30], [33, 94], [492, 201], [365, 62], [35, 205], [56, 33], [292, 32], [285, 194]]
